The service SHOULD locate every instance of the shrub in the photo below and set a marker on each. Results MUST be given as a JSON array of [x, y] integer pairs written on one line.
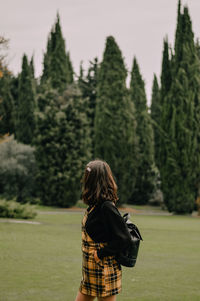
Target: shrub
[[80, 204], [12, 209], [17, 171]]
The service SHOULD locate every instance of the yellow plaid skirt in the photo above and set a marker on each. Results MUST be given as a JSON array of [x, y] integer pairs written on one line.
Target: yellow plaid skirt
[[100, 279]]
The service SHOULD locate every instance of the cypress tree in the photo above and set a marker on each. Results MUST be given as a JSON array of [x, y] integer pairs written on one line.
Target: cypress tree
[[45, 96], [25, 120], [180, 159], [32, 69], [62, 148], [198, 48], [57, 66], [178, 36], [70, 73], [166, 80], [45, 142], [46, 75], [166, 76], [156, 116], [115, 125], [88, 86], [14, 89], [34, 80], [6, 99], [145, 183], [81, 76], [6, 104], [155, 98], [137, 89]]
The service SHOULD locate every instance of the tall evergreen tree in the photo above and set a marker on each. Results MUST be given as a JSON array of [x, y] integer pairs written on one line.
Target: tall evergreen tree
[[6, 99], [70, 73], [57, 66], [198, 48], [88, 86], [6, 104], [180, 156], [145, 183], [115, 125], [32, 69], [46, 94], [166, 76], [178, 36], [62, 148], [34, 80], [166, 79], [14, 89], [46, 75], [25, 120], [156, 116]]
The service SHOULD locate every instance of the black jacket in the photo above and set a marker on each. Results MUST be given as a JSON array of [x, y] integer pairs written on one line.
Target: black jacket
[[105, 224]]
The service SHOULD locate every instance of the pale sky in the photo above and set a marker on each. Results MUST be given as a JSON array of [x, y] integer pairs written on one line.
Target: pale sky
[[138, 27]]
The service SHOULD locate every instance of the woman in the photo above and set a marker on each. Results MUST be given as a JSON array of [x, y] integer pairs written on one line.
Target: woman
[[104, 234]]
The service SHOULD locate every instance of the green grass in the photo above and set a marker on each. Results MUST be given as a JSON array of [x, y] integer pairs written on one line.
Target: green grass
[[43, 262]]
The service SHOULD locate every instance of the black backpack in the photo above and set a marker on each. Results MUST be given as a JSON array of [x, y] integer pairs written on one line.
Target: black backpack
[[128, 257]]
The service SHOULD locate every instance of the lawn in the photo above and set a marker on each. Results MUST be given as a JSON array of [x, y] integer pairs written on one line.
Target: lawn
[[42, 262]]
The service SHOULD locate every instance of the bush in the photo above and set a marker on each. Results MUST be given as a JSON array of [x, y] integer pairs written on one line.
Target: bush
[[157, 194], [157, 199], [80, 204], [17, 171], [12, 209]]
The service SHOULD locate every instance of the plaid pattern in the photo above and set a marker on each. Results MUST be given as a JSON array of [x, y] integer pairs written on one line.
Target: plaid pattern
[[100, 279]]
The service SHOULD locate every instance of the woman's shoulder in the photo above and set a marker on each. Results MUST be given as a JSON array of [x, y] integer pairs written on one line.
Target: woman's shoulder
[[109, 206], [104, 206]]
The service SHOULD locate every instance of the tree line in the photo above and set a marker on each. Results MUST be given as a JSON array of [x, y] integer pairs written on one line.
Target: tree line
[[60, 121]]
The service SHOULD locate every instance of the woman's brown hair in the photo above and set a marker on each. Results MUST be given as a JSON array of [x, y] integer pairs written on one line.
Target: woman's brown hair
[[98, 183]]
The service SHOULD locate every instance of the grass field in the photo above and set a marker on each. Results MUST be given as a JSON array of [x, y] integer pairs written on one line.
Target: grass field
[[42, 262]]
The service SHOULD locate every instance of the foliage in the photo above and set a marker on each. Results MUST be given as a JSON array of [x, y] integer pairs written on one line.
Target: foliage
[[115, 125], [146, 176], [156, 116], [157, 198], [88, 86], [12, 209], [179, 160], [98, 117], [6, 100], [166, 73], [62, 148], [57, 66], [6, 104], [25, 106], [46, 97], [157, 102], [17, 170], [3, 47]]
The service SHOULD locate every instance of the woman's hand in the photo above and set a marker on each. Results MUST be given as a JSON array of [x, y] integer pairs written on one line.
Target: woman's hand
[[96, 258]]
